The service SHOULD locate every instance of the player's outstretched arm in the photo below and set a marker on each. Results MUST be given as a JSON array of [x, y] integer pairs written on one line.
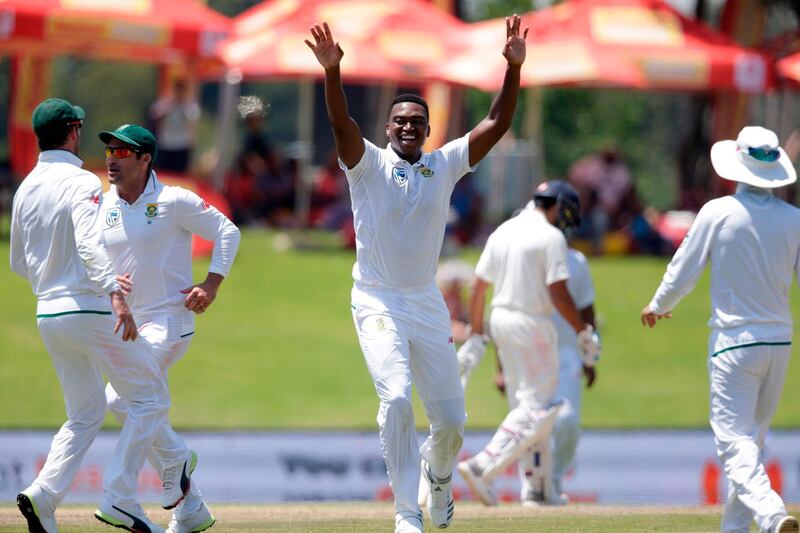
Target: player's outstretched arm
[[349, 141], [486, 134]]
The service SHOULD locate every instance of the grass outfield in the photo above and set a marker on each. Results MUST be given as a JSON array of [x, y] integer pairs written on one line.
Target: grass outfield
[[374, 517], [278, 350]]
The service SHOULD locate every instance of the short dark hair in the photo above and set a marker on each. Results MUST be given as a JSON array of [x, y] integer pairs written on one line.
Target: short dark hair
[[54, 136], [412, 98]]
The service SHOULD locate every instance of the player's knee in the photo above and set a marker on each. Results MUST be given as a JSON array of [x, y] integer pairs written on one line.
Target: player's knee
[[90, 417], [396, 407], [447, 416]]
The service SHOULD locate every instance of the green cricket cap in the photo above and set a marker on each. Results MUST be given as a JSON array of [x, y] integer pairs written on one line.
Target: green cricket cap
[[134, 135], [55, 111]]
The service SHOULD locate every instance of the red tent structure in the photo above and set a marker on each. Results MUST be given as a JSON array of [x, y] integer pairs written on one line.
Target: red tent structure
[[643, 44], [383, 40], [789, 68], [146, 30]]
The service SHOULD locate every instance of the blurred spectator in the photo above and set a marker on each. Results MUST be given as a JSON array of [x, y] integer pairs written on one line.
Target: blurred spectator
[[174, 118], [466, 207], [8, 187], [260, 189], [330, 196], [453, 278], [602, 181]]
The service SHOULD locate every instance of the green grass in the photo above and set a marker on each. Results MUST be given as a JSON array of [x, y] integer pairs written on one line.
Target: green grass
[[364, 517], [278, 350]]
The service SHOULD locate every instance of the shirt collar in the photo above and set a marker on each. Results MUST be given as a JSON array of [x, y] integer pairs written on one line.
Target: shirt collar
[[60, 156], [394, 158]]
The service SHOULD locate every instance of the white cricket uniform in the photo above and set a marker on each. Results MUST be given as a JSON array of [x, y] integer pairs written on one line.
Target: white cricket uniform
[[56, 244], [752, 240], [152, 240], [522, 258], [403, 326], [570, 368]]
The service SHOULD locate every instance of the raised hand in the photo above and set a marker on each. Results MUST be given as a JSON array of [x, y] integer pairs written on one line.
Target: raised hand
[[514, 50], [328, 52]]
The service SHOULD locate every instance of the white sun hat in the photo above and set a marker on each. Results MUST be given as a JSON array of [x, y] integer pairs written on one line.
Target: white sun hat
[[754, 158]]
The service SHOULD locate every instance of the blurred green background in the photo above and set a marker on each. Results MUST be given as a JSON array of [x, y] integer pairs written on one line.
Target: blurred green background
[[278, 350]]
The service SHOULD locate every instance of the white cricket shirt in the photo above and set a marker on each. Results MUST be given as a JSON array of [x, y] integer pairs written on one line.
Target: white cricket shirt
[[581, 289], [152, 239], [752, 240], [400, 211], [55, 240], [522, 257]]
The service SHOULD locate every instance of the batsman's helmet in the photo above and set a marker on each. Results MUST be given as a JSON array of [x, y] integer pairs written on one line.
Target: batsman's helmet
[[565, 197]]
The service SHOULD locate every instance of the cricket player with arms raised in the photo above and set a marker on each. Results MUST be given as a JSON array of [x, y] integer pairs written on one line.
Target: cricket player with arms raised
[[57, 245], [525, 259], [752, 240], [400, 197], [147, 228]]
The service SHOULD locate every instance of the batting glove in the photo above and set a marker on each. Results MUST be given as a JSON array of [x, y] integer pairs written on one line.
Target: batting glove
[[589, 346], [470, 354]]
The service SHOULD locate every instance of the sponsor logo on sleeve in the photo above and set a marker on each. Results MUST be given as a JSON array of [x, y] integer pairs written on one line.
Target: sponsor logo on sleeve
[[112, 217], [95, 199]]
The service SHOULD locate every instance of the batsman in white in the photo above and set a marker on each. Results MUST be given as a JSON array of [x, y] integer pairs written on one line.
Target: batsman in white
[[572, 368], [147, 227], [400, 198], [752, 240], [526, 261], [57, 245]]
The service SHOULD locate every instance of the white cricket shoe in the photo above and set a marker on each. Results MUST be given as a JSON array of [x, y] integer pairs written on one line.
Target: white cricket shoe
[[787, 524], [176, 481], [422, 495], [408, 523], [131, 519], [473, 476], [195, 522], [38, 509], [441, 505]]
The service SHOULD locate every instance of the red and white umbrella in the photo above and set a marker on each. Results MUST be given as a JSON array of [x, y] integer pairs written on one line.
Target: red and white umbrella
[[143, 30], [642, 44], [383, 40], [789, 68]]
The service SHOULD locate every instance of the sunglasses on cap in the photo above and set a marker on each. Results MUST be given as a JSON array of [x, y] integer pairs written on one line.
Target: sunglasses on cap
[[764, 154], [76, 123], [120, 152]]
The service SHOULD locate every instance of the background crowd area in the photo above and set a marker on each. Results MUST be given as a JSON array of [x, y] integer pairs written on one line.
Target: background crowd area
[[639, 159]]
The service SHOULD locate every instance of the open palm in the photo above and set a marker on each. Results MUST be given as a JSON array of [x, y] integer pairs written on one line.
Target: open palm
[[328, 52], [514, 50]]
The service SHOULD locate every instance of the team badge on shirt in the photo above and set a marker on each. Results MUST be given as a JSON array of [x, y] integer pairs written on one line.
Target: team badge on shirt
[[399, 176], [112, 217], [426, 172], [151, 211]]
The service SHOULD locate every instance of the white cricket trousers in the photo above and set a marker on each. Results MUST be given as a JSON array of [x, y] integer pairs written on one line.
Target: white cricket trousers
[[567, 431], [83, 347], [526, 347], [746, 384], [170, 335], [405, 337]]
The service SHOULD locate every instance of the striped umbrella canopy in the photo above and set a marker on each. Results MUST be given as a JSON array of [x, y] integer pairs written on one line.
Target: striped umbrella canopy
[[138, 30], [789, 68], [643, 44], [383, 40]]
